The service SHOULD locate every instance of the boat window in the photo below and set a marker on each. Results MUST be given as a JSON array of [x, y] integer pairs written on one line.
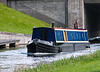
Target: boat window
[[77, 36], [82, 36], [71, 35], [59, 35], [45, 34], [41, 34]]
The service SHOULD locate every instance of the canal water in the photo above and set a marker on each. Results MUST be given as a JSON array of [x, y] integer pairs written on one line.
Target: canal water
[[13, 59]]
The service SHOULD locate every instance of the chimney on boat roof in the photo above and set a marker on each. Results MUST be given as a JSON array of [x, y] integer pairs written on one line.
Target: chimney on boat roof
[[53, 24]]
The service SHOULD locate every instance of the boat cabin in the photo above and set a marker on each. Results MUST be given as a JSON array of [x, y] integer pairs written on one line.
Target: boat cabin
[[60, 35]]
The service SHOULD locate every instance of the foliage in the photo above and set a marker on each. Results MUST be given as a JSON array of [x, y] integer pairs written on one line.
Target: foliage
[[85, 63], [17, 22]]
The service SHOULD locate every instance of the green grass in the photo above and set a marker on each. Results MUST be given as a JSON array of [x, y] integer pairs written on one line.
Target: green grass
[[17, 22], [85, 63]]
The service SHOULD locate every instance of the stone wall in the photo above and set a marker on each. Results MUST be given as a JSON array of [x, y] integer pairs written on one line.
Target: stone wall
[[62, 12], [46, 10], [3, 2], [24, 38], [91, 1], [75, 11]]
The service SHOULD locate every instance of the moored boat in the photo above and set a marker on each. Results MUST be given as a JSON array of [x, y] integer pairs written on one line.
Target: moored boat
[[56, 40], [95, 39]]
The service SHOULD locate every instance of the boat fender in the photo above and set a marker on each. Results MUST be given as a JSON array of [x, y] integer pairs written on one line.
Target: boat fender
[[29, 42], [35, 41], [87, 46], [60, 49]]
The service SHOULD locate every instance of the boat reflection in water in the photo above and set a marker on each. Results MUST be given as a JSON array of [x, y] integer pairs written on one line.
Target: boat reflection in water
[[56, 40]]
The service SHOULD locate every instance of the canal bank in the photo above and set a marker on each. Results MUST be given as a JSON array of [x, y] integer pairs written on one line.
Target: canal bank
[[24, 38]]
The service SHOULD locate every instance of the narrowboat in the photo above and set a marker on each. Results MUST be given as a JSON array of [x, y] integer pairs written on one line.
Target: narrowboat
[[56, 40], [95, 40]]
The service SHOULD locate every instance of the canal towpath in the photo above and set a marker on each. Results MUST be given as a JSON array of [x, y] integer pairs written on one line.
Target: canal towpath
[[24, 38]]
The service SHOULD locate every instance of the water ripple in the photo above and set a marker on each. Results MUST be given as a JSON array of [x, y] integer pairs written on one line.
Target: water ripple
[[9, 60]]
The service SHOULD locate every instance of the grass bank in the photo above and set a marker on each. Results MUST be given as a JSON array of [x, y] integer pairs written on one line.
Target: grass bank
[[85, 63], [17, 22]]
